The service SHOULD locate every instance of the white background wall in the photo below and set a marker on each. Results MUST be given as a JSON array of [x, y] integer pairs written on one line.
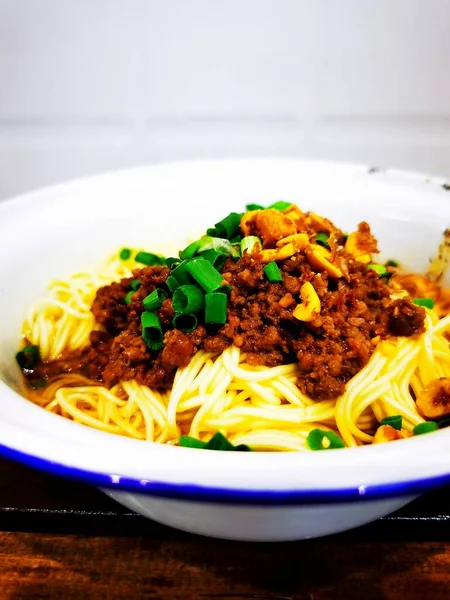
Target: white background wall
[[92, 85]]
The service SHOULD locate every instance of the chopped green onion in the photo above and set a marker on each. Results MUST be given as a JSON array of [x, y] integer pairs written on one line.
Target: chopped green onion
[[216, 308], [236, 240], [185, 323], [391, 263], [172, 283], [322, 239], [190, 250], [152, 331], [272, 272], [280, 205], [217, 259], [394, 421], [444, 423], [249, 242], [380, 269], [128, 296], [229, 226], [254, 207], [125, 254], [206, 275], [426, 427], [135, 285], [425, 302], [319, 439], [149, 259], [172, 261], [154, 300], [28, 357], [181, 273], [219, 244], [186, 441], [345, 237], [211, 231], [217, 442], [188, 299]]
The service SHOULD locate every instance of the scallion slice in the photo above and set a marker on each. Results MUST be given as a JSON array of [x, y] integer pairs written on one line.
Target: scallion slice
[[190, 250], [135, 285], [319, 439], [425, 302], [391, 263], [254, 207], [152, 333], [322, 239], [394, 421], [217, 442], [128, 297], [217, 259], [206, 275], [188, 299], [280, 205], [181, 273], [272, 272], [249, 243], [154, 300], [172, 283], [172, 261], [426, 427], [185, 323], [380, 269], [125, 254], [228, 227], [216, 308], [149, 259], [28, 357], [221, 245]]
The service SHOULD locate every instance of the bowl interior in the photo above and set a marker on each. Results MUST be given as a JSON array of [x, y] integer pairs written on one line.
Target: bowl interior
[[55, 232]]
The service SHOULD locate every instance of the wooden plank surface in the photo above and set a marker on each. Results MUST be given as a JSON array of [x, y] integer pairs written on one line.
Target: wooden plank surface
[[69, 567], [63, 540]]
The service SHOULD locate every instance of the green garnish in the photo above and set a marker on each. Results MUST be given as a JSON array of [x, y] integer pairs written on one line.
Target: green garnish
[[228, 227], [206, 275], [217, 442], [152, 333], [249, 242], [280, 205], [425, 302], [28, 357], [426, 427], [394, 421], [380, 269], [185, 323], [318, 439], [322, 239], [135, 285], [128, 297], [172, 262], [188, 299], [172, 283], [254, 207], [190, 250], [217, 259], [219, 244], [125, 254], [149, 259], [181, 273], [272, 272], [216, 308], [391, 263], [154, 300]]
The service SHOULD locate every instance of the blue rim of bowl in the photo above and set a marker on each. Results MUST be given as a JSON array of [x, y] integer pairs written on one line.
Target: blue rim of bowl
[[197, 493]]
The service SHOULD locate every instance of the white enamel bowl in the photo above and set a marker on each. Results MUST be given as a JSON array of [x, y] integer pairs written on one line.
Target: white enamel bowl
[[248, 496]]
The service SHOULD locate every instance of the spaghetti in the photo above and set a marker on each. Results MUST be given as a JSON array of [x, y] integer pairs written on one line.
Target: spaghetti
[[222, 389]]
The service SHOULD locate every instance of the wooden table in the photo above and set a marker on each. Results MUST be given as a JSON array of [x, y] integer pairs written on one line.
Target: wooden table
[[63, 540]]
